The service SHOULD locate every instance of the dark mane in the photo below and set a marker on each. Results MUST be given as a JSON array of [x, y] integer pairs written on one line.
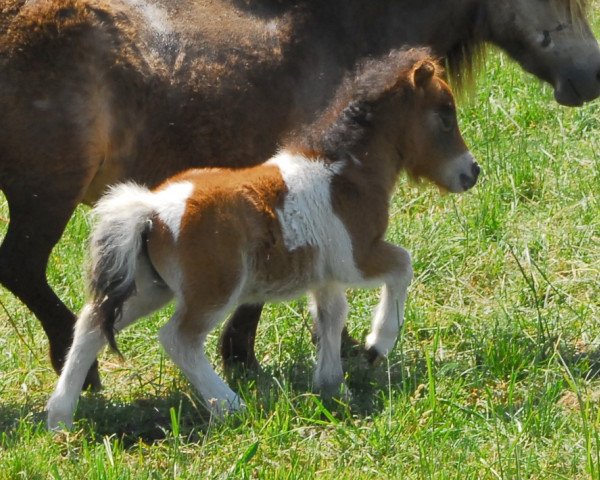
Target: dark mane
[[345, 122], [464, 58], [577, 6]]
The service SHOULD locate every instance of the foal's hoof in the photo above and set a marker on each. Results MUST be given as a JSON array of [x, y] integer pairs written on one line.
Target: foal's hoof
[[60, 416], [337, 392], [220, 408], [373, 356], [351, 348], [238, 357], [58, 422], [345, 394]]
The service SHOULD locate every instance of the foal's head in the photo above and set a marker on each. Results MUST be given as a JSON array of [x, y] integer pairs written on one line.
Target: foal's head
[[416, 116], [397, 110]]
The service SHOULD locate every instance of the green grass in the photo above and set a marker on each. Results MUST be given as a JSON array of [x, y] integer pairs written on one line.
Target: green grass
[[495, 375]]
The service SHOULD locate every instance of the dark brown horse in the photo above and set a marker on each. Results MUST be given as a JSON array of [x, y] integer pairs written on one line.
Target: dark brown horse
[[97, 91]]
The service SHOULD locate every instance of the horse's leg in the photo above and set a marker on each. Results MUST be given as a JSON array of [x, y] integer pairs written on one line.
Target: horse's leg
[[238, 337], [329, 309], [391, 264], [89, 339], [37, 220], [183, 339]]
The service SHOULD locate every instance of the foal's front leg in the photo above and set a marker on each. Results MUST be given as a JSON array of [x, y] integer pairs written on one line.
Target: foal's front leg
[[392, 264], [329, 309]]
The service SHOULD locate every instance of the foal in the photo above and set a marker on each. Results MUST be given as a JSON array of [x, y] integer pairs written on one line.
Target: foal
[[312, 219]]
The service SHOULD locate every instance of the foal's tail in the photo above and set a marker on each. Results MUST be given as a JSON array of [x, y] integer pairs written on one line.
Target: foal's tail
[[123, 217]]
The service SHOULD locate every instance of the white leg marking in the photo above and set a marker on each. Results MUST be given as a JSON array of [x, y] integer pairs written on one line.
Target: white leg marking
[[87, 342], [389, 314], [329, 309], [188, 354]]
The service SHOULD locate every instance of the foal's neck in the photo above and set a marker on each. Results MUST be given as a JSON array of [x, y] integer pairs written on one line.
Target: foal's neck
[[362, 155], [377, 166]]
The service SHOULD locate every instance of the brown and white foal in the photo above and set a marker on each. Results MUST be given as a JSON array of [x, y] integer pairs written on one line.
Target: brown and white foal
[[312, 218]]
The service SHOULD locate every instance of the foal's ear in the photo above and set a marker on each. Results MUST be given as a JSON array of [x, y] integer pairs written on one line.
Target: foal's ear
[[423, 73]]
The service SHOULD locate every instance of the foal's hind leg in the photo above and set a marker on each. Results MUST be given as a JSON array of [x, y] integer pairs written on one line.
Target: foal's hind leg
[[89, 339], [392, 264], [329, 309], [183, 339], [87, 342], [37, 220]]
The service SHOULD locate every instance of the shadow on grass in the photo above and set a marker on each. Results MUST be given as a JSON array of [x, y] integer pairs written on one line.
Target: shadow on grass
[[153, 419], [582, 363], [147, 419], [370, 385]]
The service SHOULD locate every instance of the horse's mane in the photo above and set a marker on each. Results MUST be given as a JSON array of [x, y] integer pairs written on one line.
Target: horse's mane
[[577, 9], [463, 60], [580, 6]]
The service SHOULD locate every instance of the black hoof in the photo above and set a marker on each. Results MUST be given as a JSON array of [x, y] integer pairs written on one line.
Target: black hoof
[[373, 356]]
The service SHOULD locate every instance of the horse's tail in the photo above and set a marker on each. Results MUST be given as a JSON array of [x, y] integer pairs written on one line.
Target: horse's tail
[[123, 217]]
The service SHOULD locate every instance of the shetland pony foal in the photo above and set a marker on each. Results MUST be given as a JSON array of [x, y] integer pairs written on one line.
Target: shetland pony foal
[[312, 218]]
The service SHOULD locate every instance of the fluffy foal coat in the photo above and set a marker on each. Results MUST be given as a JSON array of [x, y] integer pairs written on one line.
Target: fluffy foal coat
[[312, 218]]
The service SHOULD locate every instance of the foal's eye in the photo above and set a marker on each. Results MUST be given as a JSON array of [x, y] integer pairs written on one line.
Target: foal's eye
[[446, 120]]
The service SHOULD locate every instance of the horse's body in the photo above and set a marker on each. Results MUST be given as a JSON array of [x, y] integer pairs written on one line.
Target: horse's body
[[215, 238], [97, 91]]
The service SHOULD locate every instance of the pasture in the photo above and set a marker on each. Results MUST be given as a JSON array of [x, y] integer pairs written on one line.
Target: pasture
[[495, 374]]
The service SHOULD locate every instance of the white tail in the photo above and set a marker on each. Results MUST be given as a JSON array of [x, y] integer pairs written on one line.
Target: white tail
[[121, 218]]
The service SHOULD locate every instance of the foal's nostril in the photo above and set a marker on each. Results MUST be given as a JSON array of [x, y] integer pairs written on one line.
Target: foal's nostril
[[466, 181], [476, 169]]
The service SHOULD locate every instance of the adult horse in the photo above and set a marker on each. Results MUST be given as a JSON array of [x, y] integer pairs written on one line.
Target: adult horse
[[98, 91]]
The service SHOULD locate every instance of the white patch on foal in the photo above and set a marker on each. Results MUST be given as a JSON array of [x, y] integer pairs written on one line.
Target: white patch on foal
[[307, 218], [170, 205]]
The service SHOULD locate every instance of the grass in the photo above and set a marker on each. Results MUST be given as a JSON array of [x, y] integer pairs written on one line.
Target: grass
[[495, 375]]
